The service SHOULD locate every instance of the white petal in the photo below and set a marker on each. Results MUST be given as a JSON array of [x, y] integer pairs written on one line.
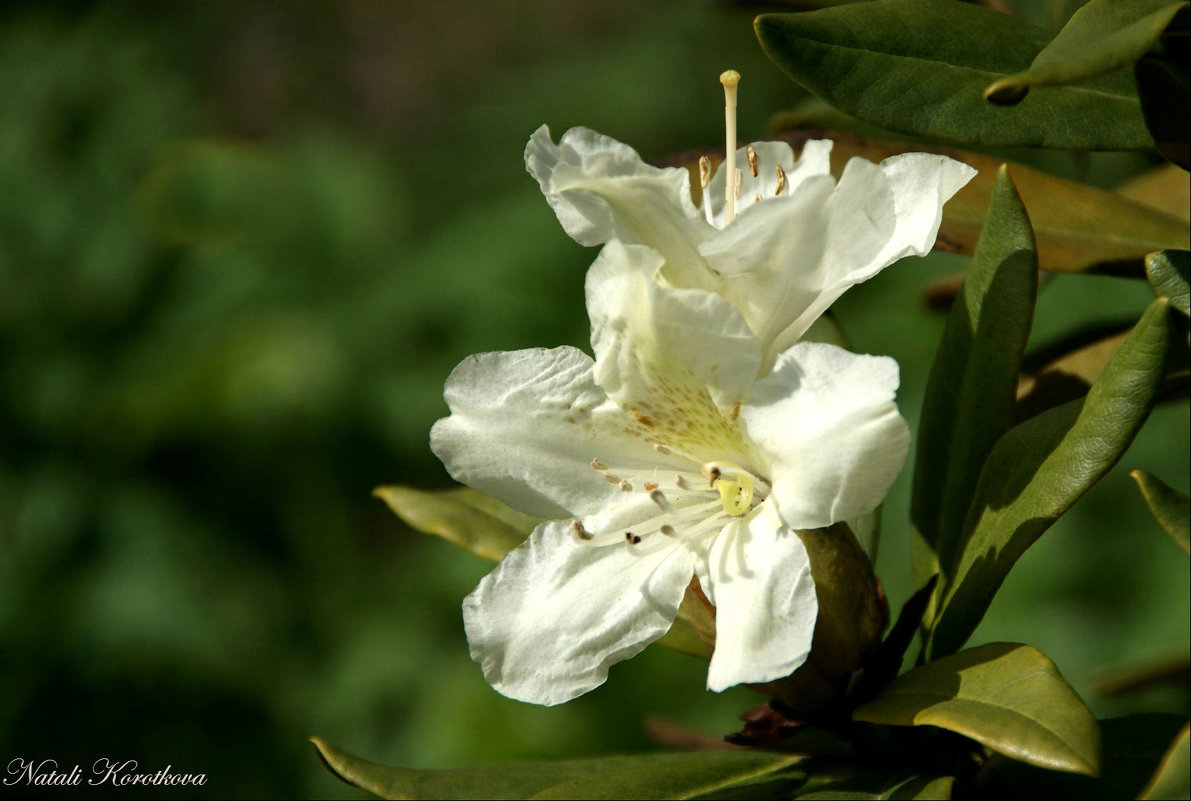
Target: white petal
[[677, 360], [877, 215], [600, 190], [524, 427], [546, 624], [828, 425], [765, 601]]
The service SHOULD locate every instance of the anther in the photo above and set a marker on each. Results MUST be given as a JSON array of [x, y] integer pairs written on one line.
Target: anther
[[756, 198], [596, 464], [626, 486], [754, 162], [650, 486], [662, 449], [612, 479], [704, 171], [631, 538], [713, 475], [781, 179], [668, 530], [682, 483], [660, 499], [581, 532]]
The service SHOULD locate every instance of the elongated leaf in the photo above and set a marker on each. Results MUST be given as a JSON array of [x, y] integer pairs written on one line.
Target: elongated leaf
[[1168, 273], [921, 66], [1173, 779], [1102, 36], [973, 381], [876, 786], [649, 776], [1164, 90], [1066, 378], [1131, 749], [1041, 467], [923, 788], [1009, 697], [472, 520], [1078, 228], [1171, 508], [1164, 188]]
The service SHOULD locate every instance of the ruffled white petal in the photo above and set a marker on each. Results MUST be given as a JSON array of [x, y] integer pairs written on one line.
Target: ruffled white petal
[[601, 190], [546, 624], [877, 215], [678, 361], [524, 427], [759, 574], [827, 423]]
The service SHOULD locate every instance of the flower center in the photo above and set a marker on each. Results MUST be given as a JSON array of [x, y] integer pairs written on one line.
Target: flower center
[[688, 500]]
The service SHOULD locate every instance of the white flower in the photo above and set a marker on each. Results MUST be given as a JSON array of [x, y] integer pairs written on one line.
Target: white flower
[[799, 239], [664, 458]]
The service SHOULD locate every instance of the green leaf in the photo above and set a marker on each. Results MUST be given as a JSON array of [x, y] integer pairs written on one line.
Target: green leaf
[[1101, 37], [1164, 90], [1131, 750], [649, 776], [472, 520], [1067, 377], [1168, 273], [1173, 779], [973, 382], [1009, 697], [1171, 508], [924, 788], [1078, 228], [1164, 188], [1040, 468], [920, 66]]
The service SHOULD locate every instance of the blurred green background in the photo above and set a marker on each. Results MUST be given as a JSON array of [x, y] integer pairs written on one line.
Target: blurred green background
[[241, 247]]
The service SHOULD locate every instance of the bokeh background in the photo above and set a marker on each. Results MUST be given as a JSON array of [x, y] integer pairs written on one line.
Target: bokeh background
[[242, 244]]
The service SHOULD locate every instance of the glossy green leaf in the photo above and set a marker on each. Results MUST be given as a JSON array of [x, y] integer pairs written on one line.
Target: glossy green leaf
[[973, 381], [648, 776], [1040, 468], [1067, 377], [1009, 697], [472, 520], [923, 788], [1171, 508], [1078, 228], [1101, 37], [1131, 750], [1168, 272], [1173, 779], [921, 66]]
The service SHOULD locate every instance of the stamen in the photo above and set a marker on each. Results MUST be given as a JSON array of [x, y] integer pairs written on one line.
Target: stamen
[[662, 449], [781, 179], [611, 479], [704, 171], [626, 486], [581, 532], [668, 530], [596, 464], [754, 162], [729, 79], [739, 181], [756, 198], [713, 473], [660, 499], [650, 486], [682, 483], [632, 538]]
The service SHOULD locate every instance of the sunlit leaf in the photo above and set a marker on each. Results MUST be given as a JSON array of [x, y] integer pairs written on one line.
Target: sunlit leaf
[[1065, 378], [1131, 749], [1168, 273], [923, 788], [1040, 468], [472, 520], [1009, 697], [973, 381], [1171, 508], [1078, 228], [1164, 188], [649, 776], [1173, 779], [921, 66], [1102, 36], [875, 786]]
